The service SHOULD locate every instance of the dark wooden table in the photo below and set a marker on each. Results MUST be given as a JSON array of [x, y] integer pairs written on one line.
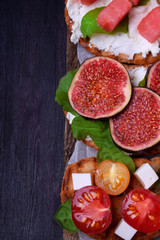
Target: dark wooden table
[[32, 60]]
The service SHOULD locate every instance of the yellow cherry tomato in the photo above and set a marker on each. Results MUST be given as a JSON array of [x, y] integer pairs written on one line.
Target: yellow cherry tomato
[[113, 177]]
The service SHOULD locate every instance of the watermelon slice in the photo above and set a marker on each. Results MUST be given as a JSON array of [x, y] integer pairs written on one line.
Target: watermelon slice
[[87, 2], [135, 2], [111, 15], [149, 27]]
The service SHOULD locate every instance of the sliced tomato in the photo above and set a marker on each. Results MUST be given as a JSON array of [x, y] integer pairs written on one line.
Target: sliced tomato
[[113, 177], [91, 210], [141, 210]]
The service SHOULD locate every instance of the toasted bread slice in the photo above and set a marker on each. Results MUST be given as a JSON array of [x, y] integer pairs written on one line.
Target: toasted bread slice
[[88, 165], [85, 165], [123, 58]]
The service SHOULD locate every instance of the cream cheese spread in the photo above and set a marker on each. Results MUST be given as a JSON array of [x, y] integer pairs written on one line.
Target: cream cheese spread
[[128, 43]]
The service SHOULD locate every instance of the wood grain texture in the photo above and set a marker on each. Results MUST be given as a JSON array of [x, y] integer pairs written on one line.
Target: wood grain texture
[[32, 60], [69, 141]]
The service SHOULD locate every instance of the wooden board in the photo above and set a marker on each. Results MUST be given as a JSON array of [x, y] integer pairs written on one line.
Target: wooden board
[[69, 141]]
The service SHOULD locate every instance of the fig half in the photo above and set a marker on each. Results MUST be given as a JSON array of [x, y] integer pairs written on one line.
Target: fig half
[[101, 88], [137, 128], [153, 77]]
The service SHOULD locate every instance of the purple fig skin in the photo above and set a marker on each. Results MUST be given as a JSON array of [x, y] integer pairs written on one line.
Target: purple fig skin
[[149, 73], [135, 150], [101, 88]]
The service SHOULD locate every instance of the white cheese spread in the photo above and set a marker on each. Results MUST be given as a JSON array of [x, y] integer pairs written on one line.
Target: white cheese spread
[[137, 74], [128, 43]]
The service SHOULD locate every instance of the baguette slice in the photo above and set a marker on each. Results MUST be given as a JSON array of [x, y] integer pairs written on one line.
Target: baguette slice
[[123, 58], [88, 165]]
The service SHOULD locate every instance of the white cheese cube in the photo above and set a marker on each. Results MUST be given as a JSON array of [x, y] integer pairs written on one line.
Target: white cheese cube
[[81, 180], [124, 230], [146, 175]]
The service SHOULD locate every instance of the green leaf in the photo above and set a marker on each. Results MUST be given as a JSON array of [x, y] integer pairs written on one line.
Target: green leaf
[[143, 2], [89, 24], [99, 131], [96, 129], [142, 83], [64, 217], [62, 92], [108, 151]]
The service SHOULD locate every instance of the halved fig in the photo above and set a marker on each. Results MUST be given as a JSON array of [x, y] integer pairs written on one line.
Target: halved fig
[[137, 128], [153, 77], [101, 88]]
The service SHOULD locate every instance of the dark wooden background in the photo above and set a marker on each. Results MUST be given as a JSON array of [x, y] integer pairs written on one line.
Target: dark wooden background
[[32, 60]]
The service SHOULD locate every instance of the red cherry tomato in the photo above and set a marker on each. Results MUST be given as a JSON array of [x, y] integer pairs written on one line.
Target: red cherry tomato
[[91, 210], [141, 210]]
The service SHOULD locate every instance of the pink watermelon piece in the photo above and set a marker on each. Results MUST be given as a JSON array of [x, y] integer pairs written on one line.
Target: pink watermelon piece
[[87, 2], [112, 14], [149, 27], [135, 2]]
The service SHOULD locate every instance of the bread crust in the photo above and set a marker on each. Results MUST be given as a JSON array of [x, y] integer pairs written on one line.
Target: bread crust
[[88, 165], [123, 58]]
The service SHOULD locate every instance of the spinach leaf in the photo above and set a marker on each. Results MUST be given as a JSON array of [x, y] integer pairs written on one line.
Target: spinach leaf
[[64, 217]]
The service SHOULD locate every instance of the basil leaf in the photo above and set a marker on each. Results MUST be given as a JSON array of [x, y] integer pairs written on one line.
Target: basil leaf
[[89, 24], [62, 92], [99, 131], [108, 151], [142, 83], [64, 217], [96, 129], [143, 2]]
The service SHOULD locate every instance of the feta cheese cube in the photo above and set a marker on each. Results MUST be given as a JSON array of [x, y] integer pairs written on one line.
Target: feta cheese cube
[[124, 230], [81, 180], [146, 175]]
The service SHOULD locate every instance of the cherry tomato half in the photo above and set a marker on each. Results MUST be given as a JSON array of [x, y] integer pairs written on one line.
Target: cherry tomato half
[[141, 210], [91, 210], [113, 177]]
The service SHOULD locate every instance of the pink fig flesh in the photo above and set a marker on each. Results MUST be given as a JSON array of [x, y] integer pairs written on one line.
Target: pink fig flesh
[[138, 126], [153, 77], [101, 88]]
